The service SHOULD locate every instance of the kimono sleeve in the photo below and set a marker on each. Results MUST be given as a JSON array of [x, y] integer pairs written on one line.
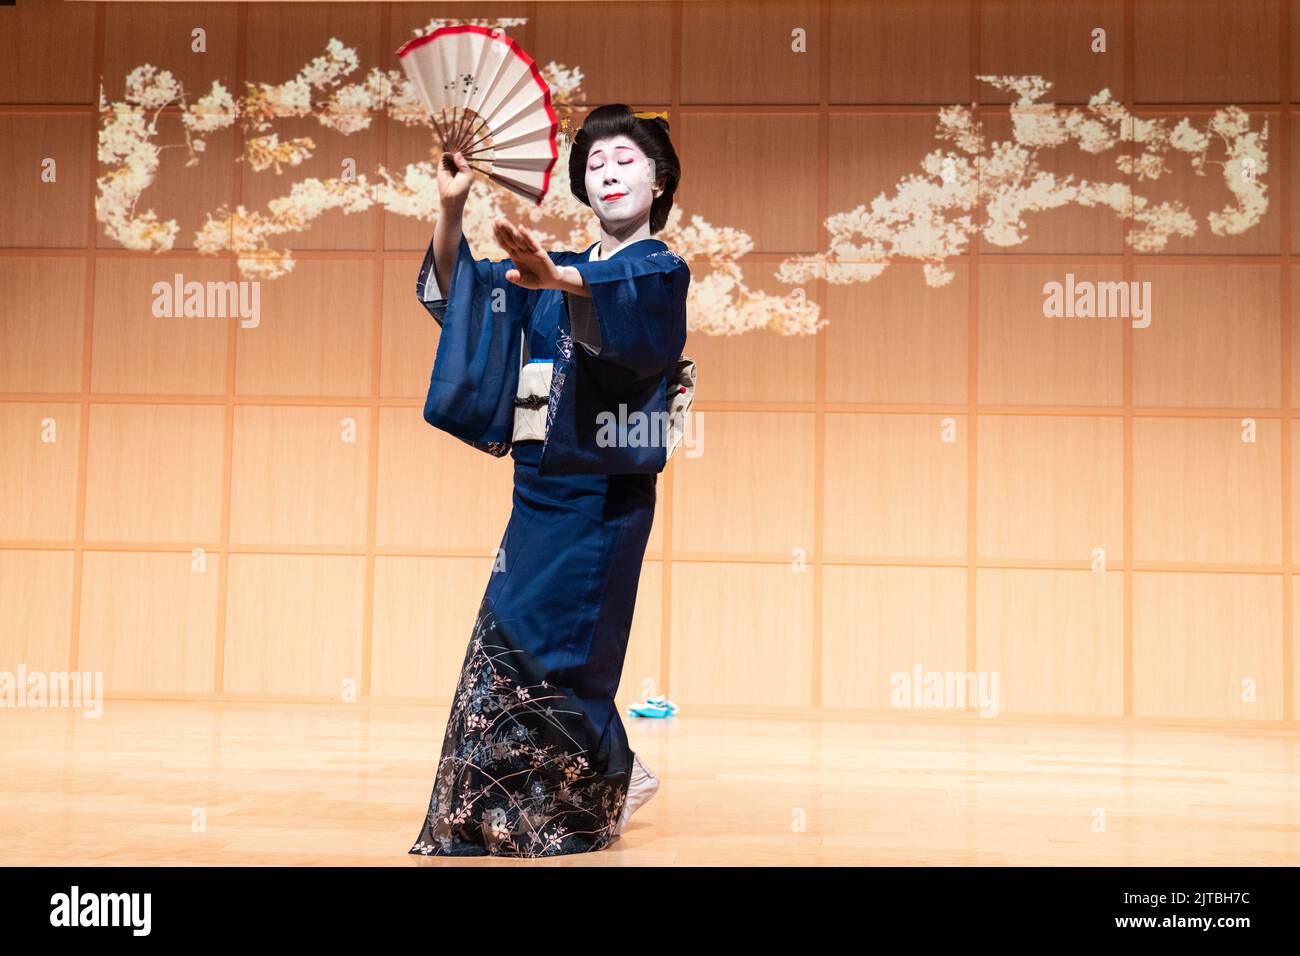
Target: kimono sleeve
[[476, 370], [627, 338], [426, 287], [634, 322]]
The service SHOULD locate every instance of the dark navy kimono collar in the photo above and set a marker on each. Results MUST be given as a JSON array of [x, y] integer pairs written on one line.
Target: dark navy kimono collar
[[586, 253]]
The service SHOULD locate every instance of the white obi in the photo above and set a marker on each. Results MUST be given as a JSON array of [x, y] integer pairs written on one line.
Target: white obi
[[535, 389], [681, 394]]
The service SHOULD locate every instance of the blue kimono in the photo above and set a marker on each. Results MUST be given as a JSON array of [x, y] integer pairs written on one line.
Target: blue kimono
[[535, 760], [612, 417]]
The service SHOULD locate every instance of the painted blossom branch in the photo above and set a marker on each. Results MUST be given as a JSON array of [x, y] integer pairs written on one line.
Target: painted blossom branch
[[720, 303], [930, 216]]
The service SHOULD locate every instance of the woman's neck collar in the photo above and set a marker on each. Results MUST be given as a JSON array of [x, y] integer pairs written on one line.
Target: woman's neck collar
[[608, 246]]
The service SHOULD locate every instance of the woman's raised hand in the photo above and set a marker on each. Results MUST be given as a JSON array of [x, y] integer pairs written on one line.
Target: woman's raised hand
[[533, 268], [455, 176]]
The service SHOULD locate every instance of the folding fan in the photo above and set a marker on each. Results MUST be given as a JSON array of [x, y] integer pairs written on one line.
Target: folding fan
[[487, 100]]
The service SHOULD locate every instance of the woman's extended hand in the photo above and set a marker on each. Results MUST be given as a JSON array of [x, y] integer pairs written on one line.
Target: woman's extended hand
[[533, 268]]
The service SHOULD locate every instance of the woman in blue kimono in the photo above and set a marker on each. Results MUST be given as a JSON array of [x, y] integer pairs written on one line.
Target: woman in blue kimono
[[572, 363]]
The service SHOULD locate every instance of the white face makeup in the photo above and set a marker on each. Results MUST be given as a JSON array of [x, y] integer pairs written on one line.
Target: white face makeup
[[620, 183]]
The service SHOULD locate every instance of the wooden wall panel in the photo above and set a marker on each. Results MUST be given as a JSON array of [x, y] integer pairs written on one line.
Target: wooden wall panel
[[38, 471], [34, 35], [1294, 173], [1214, 341], [758, 63], [879, 621], [1201, 493], [1198, 637], [42, 334], [294, 624], [1053, 40], [1051, 487], [752, 159], [643, 672], [1206, 52], [135, 352], [409, 335], [170, 488], [163, 34], [897, 340], [873, 50], [655, 543], [1294, 492], [742, 635], [755, 366], [1054, 638], [424, 617], [1294, 634], [625, 50], [403, 145], [436, 491], [315, 336], [1294, 398], [1295, 51], [35, 210], [751, 488], [1027, 358], [36, 609], [893, 487], [149, 621], [300, 476], [283, 37]]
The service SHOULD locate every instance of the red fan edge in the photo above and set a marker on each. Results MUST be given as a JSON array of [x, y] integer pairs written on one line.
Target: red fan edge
[[518, 51]]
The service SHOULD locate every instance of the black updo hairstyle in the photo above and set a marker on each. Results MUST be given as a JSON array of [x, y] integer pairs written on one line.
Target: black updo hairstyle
[[651, 135]]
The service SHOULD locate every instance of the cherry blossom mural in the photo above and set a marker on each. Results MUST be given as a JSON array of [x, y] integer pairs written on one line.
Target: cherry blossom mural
[[965, 186], [931, 214]]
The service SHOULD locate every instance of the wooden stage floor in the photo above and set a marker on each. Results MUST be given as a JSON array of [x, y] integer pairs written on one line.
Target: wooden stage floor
[[215, 782]]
